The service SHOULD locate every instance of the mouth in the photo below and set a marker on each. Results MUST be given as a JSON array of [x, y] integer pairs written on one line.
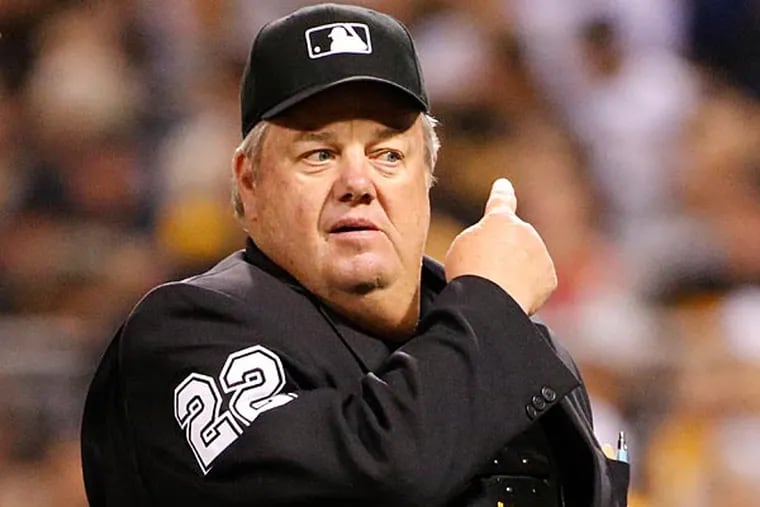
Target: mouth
[[348, 225]]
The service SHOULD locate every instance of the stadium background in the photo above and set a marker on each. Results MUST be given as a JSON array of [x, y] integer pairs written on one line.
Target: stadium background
[[630, 129]]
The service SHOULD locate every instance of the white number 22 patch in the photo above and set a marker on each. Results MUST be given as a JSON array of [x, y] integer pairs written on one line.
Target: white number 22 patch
[[254, 376]]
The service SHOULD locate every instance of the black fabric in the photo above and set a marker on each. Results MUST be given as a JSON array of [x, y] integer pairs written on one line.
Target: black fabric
[[359, 422], [522, 474], [291, 59]]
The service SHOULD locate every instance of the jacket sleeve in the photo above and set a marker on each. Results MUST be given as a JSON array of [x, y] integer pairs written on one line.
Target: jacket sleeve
[[580, 394], [413, 432]]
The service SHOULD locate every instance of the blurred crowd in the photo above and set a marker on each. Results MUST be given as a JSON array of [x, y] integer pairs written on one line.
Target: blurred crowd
[[631, 130]]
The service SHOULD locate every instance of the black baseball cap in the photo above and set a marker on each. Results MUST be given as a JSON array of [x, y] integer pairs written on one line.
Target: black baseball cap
[[321, 46]]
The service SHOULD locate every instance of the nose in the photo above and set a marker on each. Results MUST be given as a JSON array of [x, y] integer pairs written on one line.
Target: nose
[[354, 184]]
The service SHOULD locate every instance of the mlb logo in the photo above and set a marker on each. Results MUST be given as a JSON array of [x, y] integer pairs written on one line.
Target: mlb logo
[[336, 38]]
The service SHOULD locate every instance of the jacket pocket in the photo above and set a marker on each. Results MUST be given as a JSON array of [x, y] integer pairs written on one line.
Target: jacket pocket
[[619, 476]]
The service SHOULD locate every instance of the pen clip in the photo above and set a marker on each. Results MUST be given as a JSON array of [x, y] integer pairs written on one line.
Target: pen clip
[[622, 448]]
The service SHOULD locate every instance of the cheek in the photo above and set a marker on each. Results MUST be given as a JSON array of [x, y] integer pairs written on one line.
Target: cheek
[[305, 216], [411, 211], [293, 207], [423, 217], [420, 197]]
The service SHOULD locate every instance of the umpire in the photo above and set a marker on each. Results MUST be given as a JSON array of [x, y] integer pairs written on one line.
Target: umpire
[[330, 362]]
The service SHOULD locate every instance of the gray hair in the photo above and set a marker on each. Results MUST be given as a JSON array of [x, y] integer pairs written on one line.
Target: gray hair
[[251, 148]]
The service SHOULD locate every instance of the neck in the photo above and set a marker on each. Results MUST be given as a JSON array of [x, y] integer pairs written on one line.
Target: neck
[[383, 313], [389, 313]]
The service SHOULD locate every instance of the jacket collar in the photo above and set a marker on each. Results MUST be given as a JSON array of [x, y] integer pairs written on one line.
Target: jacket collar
[[255, 256]]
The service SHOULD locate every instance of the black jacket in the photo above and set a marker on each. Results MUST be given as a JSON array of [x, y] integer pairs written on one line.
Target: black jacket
[[237, 387]]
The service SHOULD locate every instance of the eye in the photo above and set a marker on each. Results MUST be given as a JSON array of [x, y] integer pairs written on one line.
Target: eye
[[319, 156], [390, 157]]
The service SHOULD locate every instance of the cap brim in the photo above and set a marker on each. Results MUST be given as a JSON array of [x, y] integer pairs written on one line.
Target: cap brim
[[313, 90]]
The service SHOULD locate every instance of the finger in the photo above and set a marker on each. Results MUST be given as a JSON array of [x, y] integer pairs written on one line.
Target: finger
[[502, 198]]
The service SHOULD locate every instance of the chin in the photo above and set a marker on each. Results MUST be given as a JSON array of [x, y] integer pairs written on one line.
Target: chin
[[361, 277], [362, 288], [360, 283]]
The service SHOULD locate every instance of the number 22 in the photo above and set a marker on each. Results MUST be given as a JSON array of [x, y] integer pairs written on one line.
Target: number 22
[[254, 376]]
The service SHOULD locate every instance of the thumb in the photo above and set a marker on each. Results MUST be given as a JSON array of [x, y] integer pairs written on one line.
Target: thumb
[[502, 198]]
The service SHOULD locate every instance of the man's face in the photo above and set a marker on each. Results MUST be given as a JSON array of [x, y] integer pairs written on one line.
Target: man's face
[[340, 197]]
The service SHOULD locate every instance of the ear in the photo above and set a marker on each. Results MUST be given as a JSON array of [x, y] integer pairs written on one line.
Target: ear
[[242, 173]]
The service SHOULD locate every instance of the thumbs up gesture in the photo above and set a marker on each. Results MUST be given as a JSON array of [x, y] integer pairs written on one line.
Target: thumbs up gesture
[[506, 250]]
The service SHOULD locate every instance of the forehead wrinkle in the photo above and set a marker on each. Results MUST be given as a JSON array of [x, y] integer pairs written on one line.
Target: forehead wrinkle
[[321, 136], [327, 136]]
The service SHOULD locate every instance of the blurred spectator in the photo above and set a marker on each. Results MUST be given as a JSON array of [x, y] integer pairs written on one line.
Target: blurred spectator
[[96, 90], [704, 452], [721, 187], [86, 162], [194, 222], [626, 104]]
